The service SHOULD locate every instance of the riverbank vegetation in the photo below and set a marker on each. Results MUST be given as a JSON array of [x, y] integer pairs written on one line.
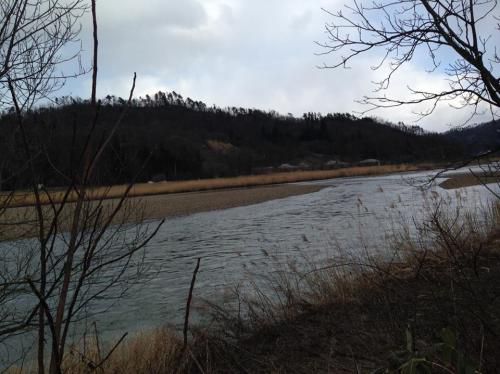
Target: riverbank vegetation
[[167, 137], [16, 199], [157, 201], [431, 303]]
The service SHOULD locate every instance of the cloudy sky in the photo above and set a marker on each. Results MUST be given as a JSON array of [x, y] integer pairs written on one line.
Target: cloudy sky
[[258, 53]]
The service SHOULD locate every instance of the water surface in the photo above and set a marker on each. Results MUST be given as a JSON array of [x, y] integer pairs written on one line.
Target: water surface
[[353, 215]]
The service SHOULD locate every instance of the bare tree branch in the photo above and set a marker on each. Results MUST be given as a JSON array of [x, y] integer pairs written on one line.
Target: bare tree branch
[[399, 31]]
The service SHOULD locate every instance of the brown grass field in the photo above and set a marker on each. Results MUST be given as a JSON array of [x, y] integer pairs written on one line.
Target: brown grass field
[[147, 189]]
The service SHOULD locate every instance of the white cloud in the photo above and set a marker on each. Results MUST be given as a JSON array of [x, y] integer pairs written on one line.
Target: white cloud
[[257, 53], [125, 14]]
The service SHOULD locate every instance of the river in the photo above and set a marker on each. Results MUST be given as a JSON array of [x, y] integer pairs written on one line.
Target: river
[[353, 215]]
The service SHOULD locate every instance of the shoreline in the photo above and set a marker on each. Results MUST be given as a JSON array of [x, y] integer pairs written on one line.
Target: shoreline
[[157, 201], [188, 203], [468, 180], [20, 222], [20, 199]]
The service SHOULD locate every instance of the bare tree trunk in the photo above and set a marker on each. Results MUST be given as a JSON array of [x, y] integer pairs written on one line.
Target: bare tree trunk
[[96, 46], [65, 276]]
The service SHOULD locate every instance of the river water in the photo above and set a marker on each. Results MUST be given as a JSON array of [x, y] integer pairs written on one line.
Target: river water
[[353, 215]]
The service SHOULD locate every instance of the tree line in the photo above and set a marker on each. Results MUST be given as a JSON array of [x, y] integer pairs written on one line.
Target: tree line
[[165, 136]]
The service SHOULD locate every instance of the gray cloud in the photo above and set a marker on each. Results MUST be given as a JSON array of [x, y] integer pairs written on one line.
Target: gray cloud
[[126, 15], [236, 53]]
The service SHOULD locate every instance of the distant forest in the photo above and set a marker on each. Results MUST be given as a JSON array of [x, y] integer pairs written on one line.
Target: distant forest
[[165, 136]]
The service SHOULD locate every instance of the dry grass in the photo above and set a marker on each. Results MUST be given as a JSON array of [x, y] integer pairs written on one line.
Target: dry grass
[[146, 189], [154, 352], [147, 353], [22, 222]]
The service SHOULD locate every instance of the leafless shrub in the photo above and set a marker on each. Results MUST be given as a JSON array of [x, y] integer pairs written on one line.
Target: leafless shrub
[[83, 249]]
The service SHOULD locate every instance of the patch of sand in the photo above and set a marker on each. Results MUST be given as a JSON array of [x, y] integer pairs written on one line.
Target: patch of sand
[[161, 206], [20, 222], [468, 180]]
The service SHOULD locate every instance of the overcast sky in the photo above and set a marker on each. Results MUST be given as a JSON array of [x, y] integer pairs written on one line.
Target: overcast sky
[[245, 53]]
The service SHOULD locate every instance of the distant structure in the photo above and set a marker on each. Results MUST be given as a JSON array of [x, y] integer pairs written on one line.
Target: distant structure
[[370, 162], [263, 170], [334, 164], [287, 167], [160, 177], [304, 166]]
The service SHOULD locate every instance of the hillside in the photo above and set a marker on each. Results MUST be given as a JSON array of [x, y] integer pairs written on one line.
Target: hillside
[[477, 138], [169, 137]]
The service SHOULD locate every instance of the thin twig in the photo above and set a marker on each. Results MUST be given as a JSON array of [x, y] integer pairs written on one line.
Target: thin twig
[[111, 351], [188, 304]]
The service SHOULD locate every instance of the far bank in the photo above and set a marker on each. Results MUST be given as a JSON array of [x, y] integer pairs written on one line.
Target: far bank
[[157, 201], [22, 198]]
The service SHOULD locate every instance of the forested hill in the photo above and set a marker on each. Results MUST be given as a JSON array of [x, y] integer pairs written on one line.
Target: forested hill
[[166, 136], [477, 138]]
